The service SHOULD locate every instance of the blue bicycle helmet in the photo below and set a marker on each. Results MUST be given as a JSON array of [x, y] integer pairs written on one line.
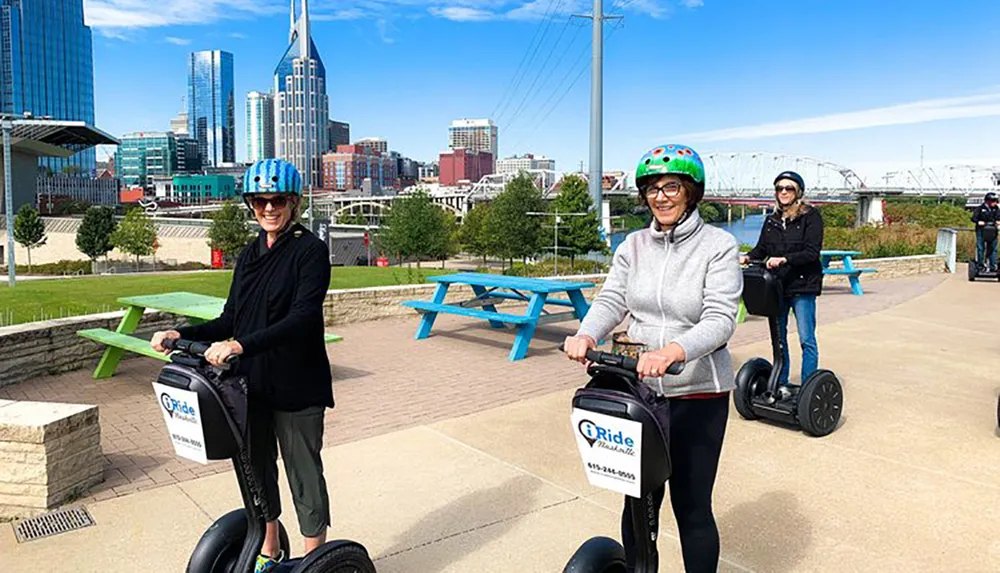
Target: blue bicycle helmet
[[272, 176]]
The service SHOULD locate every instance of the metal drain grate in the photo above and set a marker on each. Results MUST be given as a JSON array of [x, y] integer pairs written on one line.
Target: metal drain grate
[[52, 523]]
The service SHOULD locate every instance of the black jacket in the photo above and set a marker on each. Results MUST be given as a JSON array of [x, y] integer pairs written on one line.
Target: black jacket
[[275, 311], [799, 241], [986, 214]]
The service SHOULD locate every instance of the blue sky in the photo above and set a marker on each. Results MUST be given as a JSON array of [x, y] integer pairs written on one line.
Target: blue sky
[[861, 83]]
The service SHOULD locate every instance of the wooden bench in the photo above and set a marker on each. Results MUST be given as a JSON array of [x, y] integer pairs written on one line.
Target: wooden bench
[[424, 306], [141, 345]]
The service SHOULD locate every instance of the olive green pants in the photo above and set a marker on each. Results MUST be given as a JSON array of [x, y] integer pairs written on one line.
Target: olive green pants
[[300, 437]]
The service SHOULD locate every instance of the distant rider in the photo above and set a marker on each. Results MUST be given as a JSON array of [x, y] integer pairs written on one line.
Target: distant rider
[[985, 215]]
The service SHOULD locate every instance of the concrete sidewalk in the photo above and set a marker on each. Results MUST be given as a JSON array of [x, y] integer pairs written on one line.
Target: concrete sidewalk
[[908, 483]]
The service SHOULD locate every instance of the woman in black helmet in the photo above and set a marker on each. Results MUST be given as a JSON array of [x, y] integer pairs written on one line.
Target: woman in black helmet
[[986, 214], [791, 240]]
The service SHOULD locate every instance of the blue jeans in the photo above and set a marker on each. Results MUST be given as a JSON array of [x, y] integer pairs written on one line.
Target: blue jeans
[[804, 307], [981, 251]]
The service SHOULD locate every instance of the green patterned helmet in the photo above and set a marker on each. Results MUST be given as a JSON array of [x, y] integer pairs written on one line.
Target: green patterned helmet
[[671, 159]]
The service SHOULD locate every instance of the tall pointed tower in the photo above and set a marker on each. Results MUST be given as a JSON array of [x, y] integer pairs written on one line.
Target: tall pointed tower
[[301, 106]]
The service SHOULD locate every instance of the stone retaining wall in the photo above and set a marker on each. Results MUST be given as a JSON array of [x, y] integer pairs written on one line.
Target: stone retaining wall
[[891, 268], [51, 347], [358, 305], [50, 454]]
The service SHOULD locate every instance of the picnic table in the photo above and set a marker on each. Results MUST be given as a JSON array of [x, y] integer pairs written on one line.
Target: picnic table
[[490, 289], [198, 308], [848, 269]]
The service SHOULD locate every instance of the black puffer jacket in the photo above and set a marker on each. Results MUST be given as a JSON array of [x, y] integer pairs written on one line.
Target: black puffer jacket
[[799, 241]]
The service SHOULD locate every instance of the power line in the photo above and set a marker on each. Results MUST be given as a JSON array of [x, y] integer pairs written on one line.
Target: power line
[[544, 22], [541, 71]]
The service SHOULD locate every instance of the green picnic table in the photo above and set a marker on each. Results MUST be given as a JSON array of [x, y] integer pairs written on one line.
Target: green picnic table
[[198, 308]]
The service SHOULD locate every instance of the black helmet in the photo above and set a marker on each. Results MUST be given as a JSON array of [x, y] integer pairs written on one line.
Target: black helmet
[[991, 196]]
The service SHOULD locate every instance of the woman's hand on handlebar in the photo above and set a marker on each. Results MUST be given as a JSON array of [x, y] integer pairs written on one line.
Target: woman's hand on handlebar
[[775, 262], [217, 353], [654, 364], [158, 337], [576, 347], [744, 259]]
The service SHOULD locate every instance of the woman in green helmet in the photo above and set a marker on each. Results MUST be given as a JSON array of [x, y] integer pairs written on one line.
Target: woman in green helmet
[[679, 280]]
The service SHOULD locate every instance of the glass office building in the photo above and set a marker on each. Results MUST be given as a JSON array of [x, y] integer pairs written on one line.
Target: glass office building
[[47, 68], [212, 106]]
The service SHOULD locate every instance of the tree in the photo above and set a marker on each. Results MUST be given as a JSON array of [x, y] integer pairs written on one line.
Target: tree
[[230, 231], [578, 235], [472, 234], [136, 234], [93, 238], [446, 242], [510, 232], [415, 227], [29, 230], [352, 219]]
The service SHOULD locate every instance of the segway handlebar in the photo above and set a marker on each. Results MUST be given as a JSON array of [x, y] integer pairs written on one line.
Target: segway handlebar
[[623, 362], [191, 347]]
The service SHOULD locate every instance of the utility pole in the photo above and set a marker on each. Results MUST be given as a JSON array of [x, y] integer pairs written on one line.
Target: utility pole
[[8, 193], [555, 229], [595, 180]]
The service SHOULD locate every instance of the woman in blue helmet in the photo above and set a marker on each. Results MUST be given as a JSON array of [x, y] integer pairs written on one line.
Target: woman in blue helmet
[[273, 319]]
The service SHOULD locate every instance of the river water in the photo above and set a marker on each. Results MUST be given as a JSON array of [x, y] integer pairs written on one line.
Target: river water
[[746, 230]]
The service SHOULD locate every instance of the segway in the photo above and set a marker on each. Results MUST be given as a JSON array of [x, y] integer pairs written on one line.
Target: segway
[[978, 269], [816, 405], [624, 448], [205, 409]]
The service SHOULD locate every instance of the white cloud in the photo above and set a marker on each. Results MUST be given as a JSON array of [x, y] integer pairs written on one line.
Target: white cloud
[[155, 13], [901, 114], [238, 36], [349, 14], [462, 14], [692, 3], [177, 41]]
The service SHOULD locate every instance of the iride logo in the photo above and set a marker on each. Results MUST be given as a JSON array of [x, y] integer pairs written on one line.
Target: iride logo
[[178, 409], [605, 438]]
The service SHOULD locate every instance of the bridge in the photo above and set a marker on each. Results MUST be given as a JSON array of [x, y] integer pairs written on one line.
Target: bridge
[[735, 178]]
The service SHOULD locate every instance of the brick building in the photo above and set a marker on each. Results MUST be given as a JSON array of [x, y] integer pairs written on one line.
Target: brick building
[[463, 165], [348, 166]]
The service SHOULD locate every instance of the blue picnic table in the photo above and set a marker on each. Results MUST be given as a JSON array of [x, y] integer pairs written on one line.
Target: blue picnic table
[[490, 289], [853, 273]]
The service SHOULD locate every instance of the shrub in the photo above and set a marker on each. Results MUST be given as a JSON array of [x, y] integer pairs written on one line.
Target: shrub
[[546, 268]]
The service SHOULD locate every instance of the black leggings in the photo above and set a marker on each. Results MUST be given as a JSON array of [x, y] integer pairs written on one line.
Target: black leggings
[[697, 427]]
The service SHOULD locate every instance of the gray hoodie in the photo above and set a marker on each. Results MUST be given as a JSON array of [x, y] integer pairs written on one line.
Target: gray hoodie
[[683, 287]]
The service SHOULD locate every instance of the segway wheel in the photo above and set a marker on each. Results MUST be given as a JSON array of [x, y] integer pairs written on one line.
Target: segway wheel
[[972, 271], [337, 557], [821, 403], [597, 555], [751, 381], [220, 545], [998, 411]]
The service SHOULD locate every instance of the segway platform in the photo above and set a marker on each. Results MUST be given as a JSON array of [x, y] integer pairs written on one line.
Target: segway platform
[[816, 405]]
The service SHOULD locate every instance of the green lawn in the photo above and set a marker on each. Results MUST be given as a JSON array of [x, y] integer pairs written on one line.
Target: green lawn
[[37, 300]]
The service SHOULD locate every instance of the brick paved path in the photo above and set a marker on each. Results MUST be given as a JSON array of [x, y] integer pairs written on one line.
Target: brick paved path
[[383, 381]]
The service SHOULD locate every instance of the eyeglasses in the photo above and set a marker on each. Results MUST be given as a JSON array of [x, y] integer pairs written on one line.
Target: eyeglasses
[[669, 189], [260, 203], [788, 188]]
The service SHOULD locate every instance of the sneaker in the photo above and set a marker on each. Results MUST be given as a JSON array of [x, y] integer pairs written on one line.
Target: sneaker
[[784, 392], [265, 563]]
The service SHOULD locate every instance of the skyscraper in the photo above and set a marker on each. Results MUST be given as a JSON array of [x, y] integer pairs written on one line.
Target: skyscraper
[[47, 67], [212, 106], [260, 126], [474, 134], [301, 104]]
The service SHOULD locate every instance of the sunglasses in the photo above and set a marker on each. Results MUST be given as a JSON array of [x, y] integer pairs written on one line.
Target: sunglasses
[[788, 188], [669, 189], [277, 202]]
